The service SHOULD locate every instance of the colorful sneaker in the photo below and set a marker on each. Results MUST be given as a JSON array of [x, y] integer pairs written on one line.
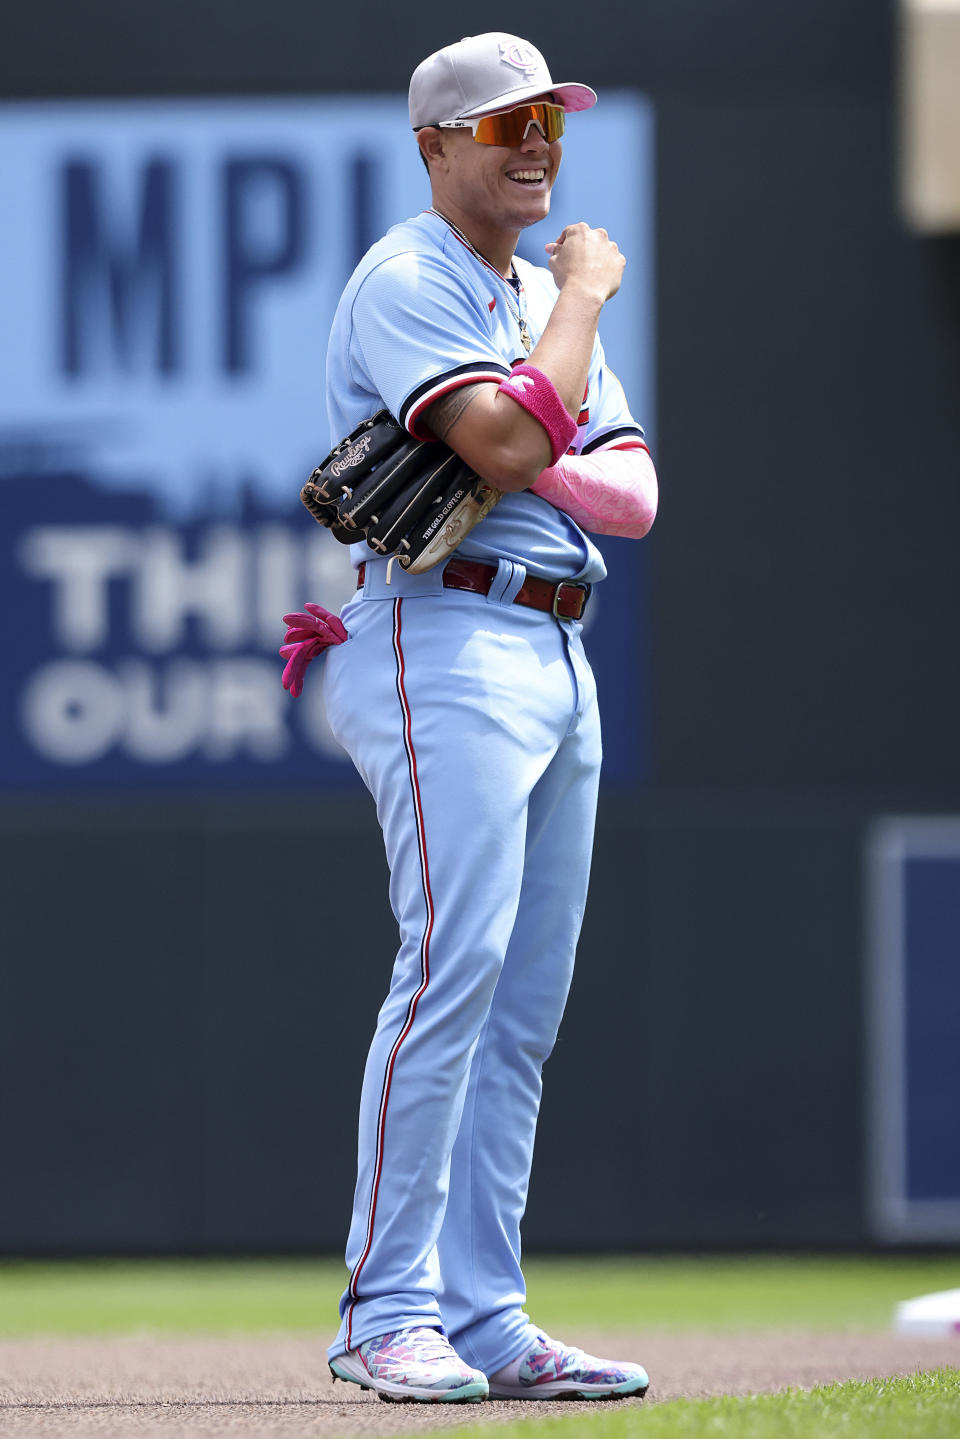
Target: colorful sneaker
[[555, 1371], [411, 1364]]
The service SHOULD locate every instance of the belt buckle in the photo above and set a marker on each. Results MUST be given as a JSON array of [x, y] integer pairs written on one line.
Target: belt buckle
[[573, 585]]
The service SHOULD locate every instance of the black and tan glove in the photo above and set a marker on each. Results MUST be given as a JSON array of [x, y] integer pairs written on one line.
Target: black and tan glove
[[407, 498]]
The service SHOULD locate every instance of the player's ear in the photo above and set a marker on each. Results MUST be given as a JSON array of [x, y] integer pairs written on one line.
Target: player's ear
[[431, 142]]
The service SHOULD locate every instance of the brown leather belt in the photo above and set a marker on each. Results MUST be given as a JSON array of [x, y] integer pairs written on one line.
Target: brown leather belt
[[567, 600]]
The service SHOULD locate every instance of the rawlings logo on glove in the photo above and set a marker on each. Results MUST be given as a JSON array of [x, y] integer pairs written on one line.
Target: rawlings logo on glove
[[352, 457], [406, 498]]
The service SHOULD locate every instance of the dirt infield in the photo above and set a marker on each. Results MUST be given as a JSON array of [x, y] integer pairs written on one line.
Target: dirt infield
[[280, 1385]]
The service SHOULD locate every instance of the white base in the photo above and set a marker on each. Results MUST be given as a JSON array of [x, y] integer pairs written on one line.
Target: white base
[[931, 1316]]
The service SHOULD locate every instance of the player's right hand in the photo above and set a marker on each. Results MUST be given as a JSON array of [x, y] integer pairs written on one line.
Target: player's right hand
[[587, 258]]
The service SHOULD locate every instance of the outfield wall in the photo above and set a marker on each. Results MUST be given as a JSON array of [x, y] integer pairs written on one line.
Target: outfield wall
[[182, 1041]]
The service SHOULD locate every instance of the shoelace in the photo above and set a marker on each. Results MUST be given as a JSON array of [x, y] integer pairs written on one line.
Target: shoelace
[[429, 1344], [424, 1344]]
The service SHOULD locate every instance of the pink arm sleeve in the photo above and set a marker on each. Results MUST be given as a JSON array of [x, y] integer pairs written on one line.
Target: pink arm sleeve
[[611, 492]]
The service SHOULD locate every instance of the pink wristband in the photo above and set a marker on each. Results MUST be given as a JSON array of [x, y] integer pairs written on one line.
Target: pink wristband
[[536, 393]]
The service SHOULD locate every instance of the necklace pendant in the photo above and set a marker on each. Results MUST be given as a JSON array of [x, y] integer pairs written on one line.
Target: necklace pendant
[[525, 338]]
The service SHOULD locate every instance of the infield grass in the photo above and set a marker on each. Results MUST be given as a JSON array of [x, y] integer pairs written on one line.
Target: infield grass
[[629, 1293], [923, 1406]]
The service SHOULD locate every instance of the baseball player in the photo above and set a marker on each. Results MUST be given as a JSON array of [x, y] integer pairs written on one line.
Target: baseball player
[[465, 699]]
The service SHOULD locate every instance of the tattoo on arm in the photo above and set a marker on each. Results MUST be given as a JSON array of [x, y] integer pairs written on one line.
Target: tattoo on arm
[[444, 413]]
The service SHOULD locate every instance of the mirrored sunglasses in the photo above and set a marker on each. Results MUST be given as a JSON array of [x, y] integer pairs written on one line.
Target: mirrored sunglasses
[[511, 127]]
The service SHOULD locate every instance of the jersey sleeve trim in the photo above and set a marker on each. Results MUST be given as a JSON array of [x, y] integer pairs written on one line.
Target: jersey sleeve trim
[[424, 395], [623, 434]]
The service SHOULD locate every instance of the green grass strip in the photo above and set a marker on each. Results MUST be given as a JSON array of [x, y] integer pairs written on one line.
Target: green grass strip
[[923, 1406], [168, 1296], [731, 1292], [567, 1297]]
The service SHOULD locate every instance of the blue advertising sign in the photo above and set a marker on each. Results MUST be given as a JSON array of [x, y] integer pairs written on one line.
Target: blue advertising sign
[[168, 274], [914, 1028]]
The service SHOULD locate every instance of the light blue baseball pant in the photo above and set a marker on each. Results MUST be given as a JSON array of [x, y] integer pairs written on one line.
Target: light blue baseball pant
[[474, 724]]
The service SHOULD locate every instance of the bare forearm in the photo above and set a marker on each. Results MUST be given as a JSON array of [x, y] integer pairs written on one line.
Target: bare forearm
[[494, 433], [564, 349]]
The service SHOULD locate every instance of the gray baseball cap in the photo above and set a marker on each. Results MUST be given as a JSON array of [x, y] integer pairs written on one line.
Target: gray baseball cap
[[483, 73]]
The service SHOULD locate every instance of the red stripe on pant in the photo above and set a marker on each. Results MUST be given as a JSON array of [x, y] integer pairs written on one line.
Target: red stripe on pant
[[424, 955]]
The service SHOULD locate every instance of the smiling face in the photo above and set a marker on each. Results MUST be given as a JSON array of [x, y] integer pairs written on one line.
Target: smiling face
[[490, 190]]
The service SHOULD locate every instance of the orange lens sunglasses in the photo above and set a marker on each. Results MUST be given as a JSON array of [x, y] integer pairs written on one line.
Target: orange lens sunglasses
[[511, 127]]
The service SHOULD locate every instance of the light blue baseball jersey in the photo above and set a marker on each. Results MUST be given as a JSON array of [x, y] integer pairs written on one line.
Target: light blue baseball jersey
[[423, 314]]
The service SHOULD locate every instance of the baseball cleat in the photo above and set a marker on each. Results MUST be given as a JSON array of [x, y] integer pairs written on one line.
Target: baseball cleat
[[548, 1370], [410, 1366]]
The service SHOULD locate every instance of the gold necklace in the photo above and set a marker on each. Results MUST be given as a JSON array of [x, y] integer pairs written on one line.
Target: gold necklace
[[514, 296], [521, 319]]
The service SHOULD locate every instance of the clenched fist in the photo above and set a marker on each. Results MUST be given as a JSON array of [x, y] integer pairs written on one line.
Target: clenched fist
[[588, 259]]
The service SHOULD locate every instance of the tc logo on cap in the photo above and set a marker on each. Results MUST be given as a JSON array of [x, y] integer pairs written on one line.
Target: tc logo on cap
[[521, 56]]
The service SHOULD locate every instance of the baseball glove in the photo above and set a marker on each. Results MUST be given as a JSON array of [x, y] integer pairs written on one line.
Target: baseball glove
[[406, 498]]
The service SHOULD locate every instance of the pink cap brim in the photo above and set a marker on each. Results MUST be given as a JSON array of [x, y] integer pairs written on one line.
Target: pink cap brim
[[571, 97]]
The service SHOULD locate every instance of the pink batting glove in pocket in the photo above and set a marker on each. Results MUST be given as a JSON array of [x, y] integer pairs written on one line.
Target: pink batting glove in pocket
[[309, 633]]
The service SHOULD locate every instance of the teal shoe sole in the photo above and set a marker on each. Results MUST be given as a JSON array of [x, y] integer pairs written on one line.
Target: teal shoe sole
[[557, 1392], [400, 1394]]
